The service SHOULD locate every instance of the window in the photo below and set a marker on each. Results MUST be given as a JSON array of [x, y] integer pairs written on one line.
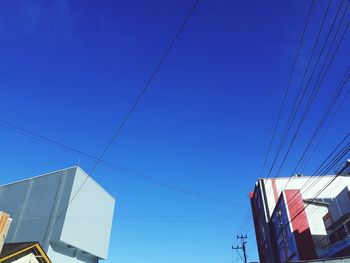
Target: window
[[341, 232], [333, 237]]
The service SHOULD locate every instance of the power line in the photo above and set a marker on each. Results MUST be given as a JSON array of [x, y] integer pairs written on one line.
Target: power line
[[314, 92], [332, 102], [335, 96], [245, 220], [323, 168], [329, 108], [287, 87], [316, 88], [293, 113], [298, 102], [111, 165], [242, 247], [319, 192], [345, 150], [248, 227], [133, 107], [239, 254], [326, 165], [331, 119]]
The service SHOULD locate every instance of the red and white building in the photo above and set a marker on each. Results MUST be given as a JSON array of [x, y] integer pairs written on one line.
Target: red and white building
[[302, 218]]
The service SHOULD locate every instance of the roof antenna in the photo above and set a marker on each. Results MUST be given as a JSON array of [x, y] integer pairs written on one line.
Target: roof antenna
[[78, 162]]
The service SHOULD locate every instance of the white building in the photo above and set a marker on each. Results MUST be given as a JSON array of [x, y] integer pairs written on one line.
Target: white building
[[38, 207], [302, 218]]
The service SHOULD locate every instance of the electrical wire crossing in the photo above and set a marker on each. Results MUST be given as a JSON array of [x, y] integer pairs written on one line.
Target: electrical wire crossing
[[242, 247], [111, 165], [284, 97], [135, 104]]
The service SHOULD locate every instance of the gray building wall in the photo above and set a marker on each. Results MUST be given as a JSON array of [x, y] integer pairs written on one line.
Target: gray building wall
[[38, 205], [340, 205]]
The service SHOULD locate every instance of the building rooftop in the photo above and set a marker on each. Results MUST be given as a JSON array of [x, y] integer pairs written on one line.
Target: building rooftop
[[53, 173], [13, 251]]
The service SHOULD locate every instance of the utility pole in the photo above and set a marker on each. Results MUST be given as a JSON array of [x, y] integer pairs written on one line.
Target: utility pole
[[242, 246]]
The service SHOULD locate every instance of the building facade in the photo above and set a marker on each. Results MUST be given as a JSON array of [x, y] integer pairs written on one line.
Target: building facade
[[302, 218], [70, 227]]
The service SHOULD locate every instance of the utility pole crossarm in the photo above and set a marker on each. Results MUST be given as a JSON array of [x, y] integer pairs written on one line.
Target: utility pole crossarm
[[242, 247]]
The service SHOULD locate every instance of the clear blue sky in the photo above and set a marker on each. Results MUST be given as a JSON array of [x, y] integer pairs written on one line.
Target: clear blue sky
[[71, 69]]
